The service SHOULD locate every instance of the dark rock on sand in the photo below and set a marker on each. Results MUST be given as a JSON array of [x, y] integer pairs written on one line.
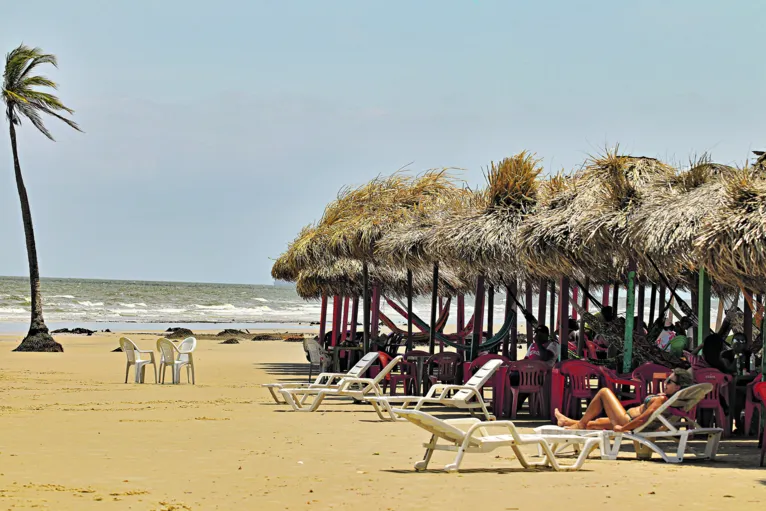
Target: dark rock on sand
[[265, 337], [179, 333], [230, 341], [118, 349], [229, 332], [78, 330], [292, 338]]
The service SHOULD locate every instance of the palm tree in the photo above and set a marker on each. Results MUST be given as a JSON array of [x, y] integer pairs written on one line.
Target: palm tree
[[23, 100]]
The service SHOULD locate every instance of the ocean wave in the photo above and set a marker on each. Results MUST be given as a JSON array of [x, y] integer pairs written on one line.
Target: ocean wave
[[226, 306], [132, 305], [70, 297], [13, 310], [87, 303], [261, 300]]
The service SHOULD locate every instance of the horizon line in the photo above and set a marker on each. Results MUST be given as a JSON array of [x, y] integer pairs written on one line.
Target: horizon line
[[137, 280]]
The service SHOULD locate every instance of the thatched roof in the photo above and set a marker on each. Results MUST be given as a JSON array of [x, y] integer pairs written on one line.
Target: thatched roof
[[583, 225], [672, 215], [344, 277], [732, 243], [484, 238]]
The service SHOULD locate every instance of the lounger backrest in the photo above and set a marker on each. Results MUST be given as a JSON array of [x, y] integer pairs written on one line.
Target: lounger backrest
[[129, 348], [479, 379], [383, 372], [433, 425], [685, 400], [363, 365], [314, 351]]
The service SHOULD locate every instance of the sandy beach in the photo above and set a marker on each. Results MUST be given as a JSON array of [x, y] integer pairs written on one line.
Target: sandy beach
[[74, 436]]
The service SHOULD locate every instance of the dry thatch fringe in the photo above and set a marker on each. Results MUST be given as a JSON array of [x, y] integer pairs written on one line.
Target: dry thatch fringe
[[671, 217], [404, 245], [732, 242], [484, 240], [612, 187], [542, 240], [375, 208], [283, 270], [344, 277]]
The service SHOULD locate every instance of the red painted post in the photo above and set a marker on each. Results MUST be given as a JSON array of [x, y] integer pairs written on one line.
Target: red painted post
[[375, 318], [605, 298], [461, 316], [575, 294], [478, 317], [563, 322], [323, 319], [335, 319]]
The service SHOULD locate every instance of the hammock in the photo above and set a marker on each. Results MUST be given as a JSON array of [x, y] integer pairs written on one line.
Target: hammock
[[424, 328], [489, 343]]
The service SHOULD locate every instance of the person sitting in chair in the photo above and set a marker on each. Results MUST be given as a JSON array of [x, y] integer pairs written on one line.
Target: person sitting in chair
[[617, 417], [544, 347]]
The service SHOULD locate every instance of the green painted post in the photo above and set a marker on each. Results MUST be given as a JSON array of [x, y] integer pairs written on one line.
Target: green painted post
[[703, 306], [630, 304]]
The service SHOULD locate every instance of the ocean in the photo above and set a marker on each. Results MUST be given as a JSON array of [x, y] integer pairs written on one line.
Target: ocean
[[124, 305]]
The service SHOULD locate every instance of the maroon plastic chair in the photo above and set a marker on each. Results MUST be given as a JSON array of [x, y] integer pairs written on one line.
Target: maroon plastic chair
[[442, 368], [712, 400], [759, 390], [628, 397], [408, 373], [751, 403], [498, 383], [579, 386], [645, 373], [532, 376]]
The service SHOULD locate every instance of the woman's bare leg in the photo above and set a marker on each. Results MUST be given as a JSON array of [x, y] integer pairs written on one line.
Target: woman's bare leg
[[562, 420], [604, 401]]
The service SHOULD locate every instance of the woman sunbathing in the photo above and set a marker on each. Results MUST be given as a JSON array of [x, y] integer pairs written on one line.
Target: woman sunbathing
[[619, 419]]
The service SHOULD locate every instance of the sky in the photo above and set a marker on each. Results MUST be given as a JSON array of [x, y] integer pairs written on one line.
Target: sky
[[213, 131]]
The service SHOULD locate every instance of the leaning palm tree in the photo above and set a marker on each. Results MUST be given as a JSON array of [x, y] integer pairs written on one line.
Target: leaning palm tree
[[22, 99]]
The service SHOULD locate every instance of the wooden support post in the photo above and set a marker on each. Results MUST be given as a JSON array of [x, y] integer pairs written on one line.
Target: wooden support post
[[627, 357], [575, 296], [514, 334], [461, 317], [375, 317], [542, 302], [719, 314], [605, 297], [323, 319], [478, 318], [703, 306], [528, 306], [336, 306], [490, 309], [409, 310], [354, 317], [365, 308], [434, 295], [563, 319], [552, 318], [695, 340], [748, 320], [652, 303], [585, 303], [344, 322], [661, 301], [616, 298], [640, 305]]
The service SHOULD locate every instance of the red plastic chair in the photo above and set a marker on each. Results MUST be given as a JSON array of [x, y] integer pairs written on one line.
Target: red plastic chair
[[580, 386], [532, 375], [712, 401], [442, 368], [617, 383], [407, 376], [645, 373], [759, 390], [751, 404]]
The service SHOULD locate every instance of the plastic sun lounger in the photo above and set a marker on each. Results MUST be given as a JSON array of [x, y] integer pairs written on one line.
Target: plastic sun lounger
[[358, 389], [478, 440], [686, 399], [466, 396], [324, 380]]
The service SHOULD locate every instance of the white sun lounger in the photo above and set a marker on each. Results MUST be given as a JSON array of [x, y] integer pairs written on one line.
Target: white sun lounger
[[465, 397], [478, 439], [325, 380], [647, 437], [358, 389]]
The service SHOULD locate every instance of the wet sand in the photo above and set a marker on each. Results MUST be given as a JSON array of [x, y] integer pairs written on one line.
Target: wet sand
[[74, 436]]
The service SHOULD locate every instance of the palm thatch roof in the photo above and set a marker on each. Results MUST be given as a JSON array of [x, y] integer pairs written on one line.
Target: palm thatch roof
[[344, 277], [380, 205], [732, 243], [672, 215], [483, 239], [584, 225]]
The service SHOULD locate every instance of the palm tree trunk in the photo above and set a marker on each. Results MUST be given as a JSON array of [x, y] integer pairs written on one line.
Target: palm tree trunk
[[38, 338]]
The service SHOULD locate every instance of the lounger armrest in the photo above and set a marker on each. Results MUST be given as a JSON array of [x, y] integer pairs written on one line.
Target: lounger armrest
[[624, 381], [446, 388], [345, 383], [144, 351]]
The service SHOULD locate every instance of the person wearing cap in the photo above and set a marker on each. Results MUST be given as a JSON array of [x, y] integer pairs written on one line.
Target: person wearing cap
[[617, 417]]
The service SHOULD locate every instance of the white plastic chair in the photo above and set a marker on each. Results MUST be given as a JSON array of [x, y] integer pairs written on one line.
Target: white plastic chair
[[176, 357], [134, 359]]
